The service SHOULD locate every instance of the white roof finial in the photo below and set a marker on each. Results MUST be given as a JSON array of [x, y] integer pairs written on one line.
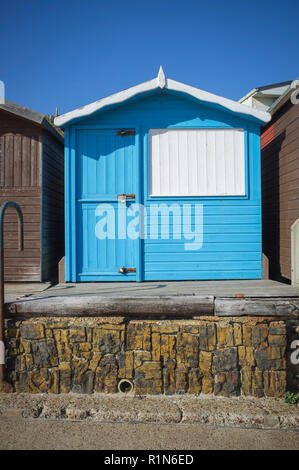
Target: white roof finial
[[161, 78]]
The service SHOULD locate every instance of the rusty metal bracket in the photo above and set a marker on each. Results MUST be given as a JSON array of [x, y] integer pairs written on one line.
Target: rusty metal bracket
[[21, 242], [124, 132], [125, 270], [123, 197]]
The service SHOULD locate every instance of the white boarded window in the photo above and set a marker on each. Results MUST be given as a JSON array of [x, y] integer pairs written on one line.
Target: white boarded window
[[197, 162]]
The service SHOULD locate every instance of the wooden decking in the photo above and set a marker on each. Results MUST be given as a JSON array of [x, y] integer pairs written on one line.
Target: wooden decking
[[157, 299], [259, 288]]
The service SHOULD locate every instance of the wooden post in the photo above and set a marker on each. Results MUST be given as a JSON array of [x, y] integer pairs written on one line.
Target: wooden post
[[61, 270], [265, 267]]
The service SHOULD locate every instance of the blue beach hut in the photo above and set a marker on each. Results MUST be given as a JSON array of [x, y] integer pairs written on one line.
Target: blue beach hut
[[162, 182]]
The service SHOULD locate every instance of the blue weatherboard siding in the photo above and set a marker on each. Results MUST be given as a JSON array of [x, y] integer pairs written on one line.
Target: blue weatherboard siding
[[231, 225]]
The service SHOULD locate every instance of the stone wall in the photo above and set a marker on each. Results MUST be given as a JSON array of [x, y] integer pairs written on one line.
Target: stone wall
[[232, 356]]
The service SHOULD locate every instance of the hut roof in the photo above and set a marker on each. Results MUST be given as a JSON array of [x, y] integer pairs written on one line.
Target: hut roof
[[30, 115], [154, 85]]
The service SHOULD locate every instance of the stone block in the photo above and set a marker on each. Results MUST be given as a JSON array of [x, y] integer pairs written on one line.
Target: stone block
[[192, 329], [148, 378], [168, 346], [22, 382], [106, 341], [247, 335], [138, 337], [32, 330], [181, 378], [77, 335], [246, 380], [225, 360], [156, 346], [19, 363], [260, 335], [225, 334], [246, 356], [227, 384], [275, 383], [44, 353], [277, 340], [65, 377], [106, 375], [25, 346], [80, 367], [125, 364], [167, 327], [207, 337], [63, 346], [95, 360], [140, 357], [194, 381], [270, 358], [205, 363], [207, 385], [54, 378], [38, 380], [83, 378], [29, 364], [169, 376], [187, 349], [237, 334], [277, 328]]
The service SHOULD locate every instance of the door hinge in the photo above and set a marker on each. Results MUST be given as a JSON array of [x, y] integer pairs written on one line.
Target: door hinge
[[124, 132], [125, 270]]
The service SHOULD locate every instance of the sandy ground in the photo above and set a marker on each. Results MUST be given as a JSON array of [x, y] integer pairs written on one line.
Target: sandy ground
[[124, 422], [74, 435]]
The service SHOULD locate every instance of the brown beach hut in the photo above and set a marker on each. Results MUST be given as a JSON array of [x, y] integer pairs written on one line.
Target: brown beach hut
[[32, 175]]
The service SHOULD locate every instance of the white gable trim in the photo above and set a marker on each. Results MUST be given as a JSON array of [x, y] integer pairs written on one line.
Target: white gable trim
[[160, 82]]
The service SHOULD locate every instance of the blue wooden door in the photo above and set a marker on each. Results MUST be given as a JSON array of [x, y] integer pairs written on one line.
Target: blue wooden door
[[106, 168]]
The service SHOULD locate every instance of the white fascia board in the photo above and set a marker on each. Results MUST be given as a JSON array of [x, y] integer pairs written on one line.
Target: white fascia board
[[114, 99], [250, 93], [207, 97], [160, 82]]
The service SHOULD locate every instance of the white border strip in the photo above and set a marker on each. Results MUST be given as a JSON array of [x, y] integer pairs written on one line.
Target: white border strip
[[2, 353]]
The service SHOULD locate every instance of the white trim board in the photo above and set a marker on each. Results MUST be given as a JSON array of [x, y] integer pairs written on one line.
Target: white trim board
[[160, 82]]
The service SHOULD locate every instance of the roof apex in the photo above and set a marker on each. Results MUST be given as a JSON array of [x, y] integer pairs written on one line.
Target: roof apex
[[160, 82], [161, 78]]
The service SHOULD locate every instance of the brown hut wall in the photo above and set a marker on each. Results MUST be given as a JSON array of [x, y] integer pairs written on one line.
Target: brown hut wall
[[280, 186], [52, 206], [20, 181]]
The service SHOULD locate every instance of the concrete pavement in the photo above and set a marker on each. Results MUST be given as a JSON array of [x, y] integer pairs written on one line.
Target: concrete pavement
[[74, 435]]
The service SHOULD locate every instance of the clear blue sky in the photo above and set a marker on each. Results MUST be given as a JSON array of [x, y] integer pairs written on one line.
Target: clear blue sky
[[68, 53]]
